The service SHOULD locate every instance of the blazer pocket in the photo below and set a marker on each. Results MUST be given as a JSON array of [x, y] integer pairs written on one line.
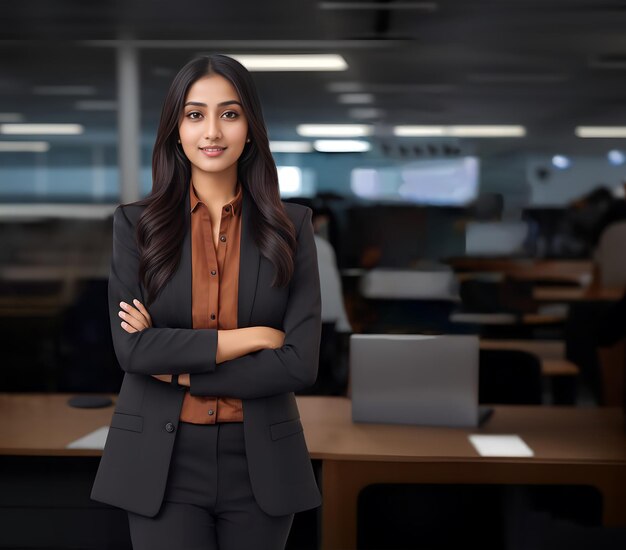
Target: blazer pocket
[[131, 422], [283, 429]]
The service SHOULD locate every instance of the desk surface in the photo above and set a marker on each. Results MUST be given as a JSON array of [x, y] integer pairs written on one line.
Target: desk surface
[[43, 424], [574, 294], [576, 271], [562, 434]]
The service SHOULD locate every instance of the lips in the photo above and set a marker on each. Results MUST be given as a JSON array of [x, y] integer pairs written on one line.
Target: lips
[[211, 152]]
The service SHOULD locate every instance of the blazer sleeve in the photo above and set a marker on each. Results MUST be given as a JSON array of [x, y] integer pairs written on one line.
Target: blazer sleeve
[[291, 367], [152, 350]]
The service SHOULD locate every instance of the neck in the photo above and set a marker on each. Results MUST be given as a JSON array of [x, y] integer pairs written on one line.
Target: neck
[[215, 188]]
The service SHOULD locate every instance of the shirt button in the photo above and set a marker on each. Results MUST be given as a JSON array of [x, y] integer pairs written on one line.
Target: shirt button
[[213, 272], [223, 238], [169, 427], [212, 315], [211, 411]]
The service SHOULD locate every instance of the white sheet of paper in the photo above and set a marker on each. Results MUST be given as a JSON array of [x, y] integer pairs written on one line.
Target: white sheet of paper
[[93, 440], [500, 445]]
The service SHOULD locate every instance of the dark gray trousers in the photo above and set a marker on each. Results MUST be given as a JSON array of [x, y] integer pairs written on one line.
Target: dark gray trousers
[[208, 502]]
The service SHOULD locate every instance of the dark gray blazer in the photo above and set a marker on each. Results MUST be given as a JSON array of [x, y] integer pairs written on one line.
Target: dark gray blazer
[[133, 469]]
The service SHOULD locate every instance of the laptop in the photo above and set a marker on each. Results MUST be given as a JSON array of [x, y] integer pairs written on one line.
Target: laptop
[[416, 379], [495, 238]]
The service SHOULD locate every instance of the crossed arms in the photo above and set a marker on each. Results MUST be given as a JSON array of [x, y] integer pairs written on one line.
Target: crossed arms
[[260, 370]]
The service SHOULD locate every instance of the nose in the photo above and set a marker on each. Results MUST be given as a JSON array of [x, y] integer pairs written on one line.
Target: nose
[[212, 130]]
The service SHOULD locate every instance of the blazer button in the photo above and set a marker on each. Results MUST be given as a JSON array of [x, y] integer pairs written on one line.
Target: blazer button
[[169, 427], [211, 411]]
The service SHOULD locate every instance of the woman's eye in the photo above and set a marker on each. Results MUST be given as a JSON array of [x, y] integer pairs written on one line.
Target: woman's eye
[[231, 113], [193, 113]]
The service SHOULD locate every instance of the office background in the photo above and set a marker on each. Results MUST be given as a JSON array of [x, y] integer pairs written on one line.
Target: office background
[[481, 143]]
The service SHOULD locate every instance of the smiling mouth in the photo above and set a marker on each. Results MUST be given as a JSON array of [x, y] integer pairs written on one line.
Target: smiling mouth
[[212, 149]]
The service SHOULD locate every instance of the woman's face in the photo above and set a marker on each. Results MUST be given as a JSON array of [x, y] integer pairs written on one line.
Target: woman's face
[[213, 116]]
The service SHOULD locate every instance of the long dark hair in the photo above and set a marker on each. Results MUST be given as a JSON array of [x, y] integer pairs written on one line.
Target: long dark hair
[[161, 226]]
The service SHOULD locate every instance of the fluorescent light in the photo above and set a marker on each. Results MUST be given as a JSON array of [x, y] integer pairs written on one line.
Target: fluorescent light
[[334, 130], [420, 6], [601, 131], [292, 62], [355, 99], [33, 129], [418, 131], [291, 147], [64, 90], [487, 131], [24, 146], [460, 131], [341, 146]]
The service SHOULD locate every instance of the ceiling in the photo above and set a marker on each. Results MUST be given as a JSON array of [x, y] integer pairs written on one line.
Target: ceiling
[[549, 65]]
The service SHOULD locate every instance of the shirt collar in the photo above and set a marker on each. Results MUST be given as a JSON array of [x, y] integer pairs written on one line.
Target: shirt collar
[[234, 203]]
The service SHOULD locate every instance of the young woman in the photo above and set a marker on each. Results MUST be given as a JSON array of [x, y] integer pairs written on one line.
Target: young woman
[[215, 310]]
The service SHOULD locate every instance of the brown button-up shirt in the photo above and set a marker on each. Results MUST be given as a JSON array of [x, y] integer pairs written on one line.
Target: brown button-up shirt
[[215, 281]]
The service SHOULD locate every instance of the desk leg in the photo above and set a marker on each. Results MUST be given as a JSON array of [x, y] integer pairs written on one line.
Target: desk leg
[[340, 487], [613, 489]]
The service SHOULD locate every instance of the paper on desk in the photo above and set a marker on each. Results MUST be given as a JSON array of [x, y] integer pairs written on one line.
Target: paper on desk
[[500, 445], [93, 440]]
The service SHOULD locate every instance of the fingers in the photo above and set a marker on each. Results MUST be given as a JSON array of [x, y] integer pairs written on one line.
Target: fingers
[[134, 319], [128, 328], [143, 310]]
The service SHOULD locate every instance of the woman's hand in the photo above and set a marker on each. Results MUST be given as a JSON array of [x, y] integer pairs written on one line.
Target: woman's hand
[[135, 318], [138, 319]]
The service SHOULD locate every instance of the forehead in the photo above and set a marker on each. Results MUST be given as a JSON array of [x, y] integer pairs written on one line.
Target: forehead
[[212, 90]]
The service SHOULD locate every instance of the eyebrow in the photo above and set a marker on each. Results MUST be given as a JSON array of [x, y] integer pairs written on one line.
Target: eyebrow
[[221, 104]]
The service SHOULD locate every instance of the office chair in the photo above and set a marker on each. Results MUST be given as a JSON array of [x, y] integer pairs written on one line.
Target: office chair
[[509, 377]]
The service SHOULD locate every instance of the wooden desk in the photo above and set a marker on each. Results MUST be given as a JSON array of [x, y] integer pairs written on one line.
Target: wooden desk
[[572, 446], [43, 424], [573, 294], [544, 349], [573, 271]]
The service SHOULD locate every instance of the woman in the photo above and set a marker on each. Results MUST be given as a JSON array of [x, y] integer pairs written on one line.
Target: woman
[[215, 309]]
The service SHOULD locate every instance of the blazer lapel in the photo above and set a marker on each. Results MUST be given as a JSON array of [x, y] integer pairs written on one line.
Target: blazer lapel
[[249, 263]]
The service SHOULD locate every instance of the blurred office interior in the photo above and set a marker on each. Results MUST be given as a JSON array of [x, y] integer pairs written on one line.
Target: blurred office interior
[[466, 164]]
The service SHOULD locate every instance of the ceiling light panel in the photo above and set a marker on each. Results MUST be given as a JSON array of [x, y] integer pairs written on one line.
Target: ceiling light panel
[[292, 62]]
